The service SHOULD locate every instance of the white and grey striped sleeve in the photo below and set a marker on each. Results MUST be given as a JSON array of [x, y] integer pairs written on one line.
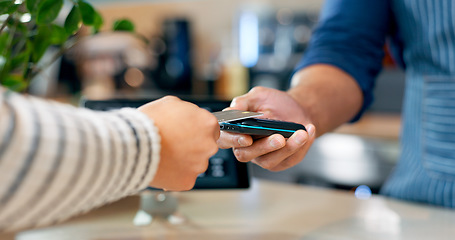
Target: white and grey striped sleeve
[[57, 161]]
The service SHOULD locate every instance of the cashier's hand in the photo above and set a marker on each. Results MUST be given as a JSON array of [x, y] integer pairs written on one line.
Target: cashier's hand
[[274, 153], [188, 140]]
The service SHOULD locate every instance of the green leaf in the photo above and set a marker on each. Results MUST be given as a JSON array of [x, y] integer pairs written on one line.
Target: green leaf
[[48, 11], [31, 5], [41, 43], [21, 60], [87, 13], [57, 35], [4, 36], [73, 21], [22, 28], [5, 5], [8, 8], [39, 49], [14, 82], [123, 25], [98, 21]]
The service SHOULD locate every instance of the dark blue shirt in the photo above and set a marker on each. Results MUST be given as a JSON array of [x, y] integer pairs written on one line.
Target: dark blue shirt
[[351, 35]]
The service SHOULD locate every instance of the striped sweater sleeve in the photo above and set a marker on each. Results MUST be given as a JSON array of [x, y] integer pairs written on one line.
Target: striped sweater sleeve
[[57, 161]]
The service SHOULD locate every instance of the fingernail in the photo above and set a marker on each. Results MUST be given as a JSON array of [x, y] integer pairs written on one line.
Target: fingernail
[[236, 153], [311, 130], [275, 143], [243, 142], [300, 139]]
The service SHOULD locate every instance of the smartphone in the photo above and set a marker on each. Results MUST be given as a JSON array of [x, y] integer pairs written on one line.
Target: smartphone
[[261, 127]]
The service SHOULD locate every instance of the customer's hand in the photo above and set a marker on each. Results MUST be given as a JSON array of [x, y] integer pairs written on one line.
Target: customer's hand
[[188, 140], [274, 153]]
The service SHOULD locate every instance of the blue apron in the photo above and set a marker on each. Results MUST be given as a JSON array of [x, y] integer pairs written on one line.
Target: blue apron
[[426, 170]]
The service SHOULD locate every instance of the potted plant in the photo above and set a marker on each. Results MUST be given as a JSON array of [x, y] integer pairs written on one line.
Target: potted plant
[[28, 28]]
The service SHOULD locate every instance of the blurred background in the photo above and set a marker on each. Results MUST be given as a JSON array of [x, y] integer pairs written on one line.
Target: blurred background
[[220, 49]]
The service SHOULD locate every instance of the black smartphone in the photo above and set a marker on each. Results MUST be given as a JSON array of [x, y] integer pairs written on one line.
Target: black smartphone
[[261, 127]]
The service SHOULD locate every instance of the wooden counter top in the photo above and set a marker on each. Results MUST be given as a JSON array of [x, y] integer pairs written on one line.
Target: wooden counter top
[[268, 210]]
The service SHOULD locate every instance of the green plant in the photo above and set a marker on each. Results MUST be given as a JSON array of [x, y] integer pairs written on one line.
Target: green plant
[[29, 27]]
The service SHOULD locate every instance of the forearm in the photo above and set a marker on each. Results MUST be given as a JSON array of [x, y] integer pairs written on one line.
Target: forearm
[[57, 161], [328, 95]]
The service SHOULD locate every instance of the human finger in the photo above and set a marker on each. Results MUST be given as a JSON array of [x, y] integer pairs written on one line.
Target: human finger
[[260, 147], [295, 159], [249, 101], [233, 140], [294, 145]]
